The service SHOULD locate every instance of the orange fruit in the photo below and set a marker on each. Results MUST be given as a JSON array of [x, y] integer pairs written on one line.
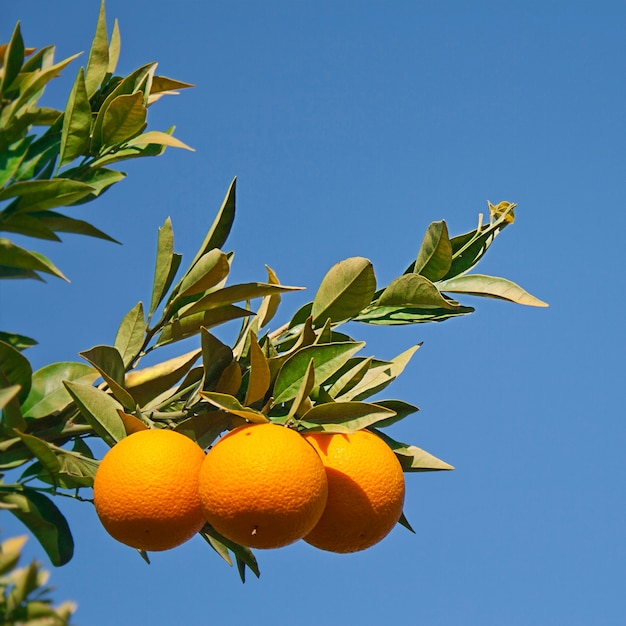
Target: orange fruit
[[262, 486], [365, 491], [146, 490]]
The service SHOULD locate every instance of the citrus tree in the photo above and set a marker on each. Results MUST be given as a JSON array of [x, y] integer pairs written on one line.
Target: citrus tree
[[307, 385]]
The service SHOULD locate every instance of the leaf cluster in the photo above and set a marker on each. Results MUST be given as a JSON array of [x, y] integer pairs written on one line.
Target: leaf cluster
[[308, 374], [24, 593], [50, 158]]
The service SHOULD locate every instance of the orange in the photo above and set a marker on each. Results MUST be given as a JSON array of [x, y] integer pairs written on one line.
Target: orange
[[263, 486], [365, 491], [146, 490]]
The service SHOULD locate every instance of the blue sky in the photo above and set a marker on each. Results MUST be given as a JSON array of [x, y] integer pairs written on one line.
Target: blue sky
[[351, 125]]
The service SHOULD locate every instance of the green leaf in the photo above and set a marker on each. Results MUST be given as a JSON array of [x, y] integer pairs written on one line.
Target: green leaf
[[114, 48], [379, 375], [10, 553], [345, 417], [415, 291], [491, 287], [269, 306], [244, 556], [14, 257], [205, 428], [167, 264], [13, 59], [211, 269], [469, 248], [348, 287], [259, 373], [220, 229], [162, 84], [412, 458], [230, 404], [100, 411], [146, 384], [234, 293], [328, 358], [157, 137], [399, 407], [39, 514], [216, 356], [75, 136], [38, 195], [20, 342], [108, 361], [301, 402], [435, 254], [400, 315], [191, 324], [11, 159], [7, 394], [48, 394], [124, 118], [98, 62], [63, 224], [43, 452], [130, 334], [15, 369]]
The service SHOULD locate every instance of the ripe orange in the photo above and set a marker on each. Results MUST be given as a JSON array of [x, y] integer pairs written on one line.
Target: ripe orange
[[146, 490], [365, 491], [263, 486]]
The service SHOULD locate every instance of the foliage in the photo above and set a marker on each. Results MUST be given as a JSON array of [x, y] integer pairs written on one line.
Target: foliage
[[309, 374], [24, 596]]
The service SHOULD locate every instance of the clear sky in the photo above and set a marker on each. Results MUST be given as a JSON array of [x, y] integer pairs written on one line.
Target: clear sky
[[351, 125]]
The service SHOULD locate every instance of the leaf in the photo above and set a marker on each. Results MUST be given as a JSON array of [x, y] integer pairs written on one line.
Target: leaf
[[302, 402], [435, 254], [348, 287], [400, 315], [63, 224], [131, 423], [415, 291], [10, 552], [108, 361], [130, 334], [328, 359], [269, 306], [345, 417], [13, 59], [399, 407], [98, 62], [38, 195], [220, 229], [205, 428], [145, 384], [469, 248], [20, 342], [259, 377], [167, 264], [7, 394], [114, 48], [215, 356], [230, 380], [44, 520], [191, 324], [230, 404], [163, 83], [211, 269], [75, 135], [244, 556], [43, 452], [15, 369], [100, 411], [157, 137], [234, 293], [412, 458], [11, 158], [380, 375], [48, 394], [14, 259], [491, 287], [124, 118]]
